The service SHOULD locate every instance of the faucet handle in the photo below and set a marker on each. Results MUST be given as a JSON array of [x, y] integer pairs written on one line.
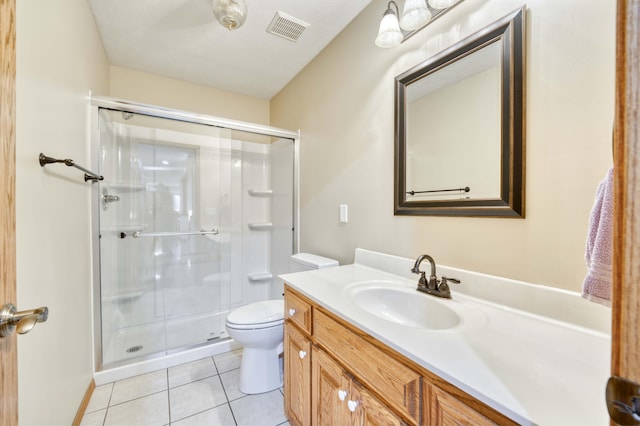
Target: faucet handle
[[443, 287], [422, 282]]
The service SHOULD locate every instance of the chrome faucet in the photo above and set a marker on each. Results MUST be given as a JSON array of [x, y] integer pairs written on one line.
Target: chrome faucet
[[433, 286]]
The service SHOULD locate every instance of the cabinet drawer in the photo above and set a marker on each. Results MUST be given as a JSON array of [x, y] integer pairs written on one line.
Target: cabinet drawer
[[395, 382], [297, 310]]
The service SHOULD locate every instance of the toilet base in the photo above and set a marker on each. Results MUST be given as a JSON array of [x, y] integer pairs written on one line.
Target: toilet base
[[260, 370]]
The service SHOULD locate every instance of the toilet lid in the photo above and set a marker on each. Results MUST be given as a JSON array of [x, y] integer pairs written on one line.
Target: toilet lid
[[258, 313]]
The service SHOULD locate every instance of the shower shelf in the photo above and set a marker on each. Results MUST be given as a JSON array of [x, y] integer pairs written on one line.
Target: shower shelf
[[260, 277], [261, 192], [260, 226]]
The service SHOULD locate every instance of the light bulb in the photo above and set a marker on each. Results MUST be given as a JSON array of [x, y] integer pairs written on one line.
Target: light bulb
[[441, 4], [389, 34], [415, 14], [230, 13]]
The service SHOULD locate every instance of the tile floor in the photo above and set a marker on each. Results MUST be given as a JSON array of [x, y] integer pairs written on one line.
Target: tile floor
[[203, 392]]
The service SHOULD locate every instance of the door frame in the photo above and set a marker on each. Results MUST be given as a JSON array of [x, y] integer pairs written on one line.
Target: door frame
[[8, 345], [625, 354]]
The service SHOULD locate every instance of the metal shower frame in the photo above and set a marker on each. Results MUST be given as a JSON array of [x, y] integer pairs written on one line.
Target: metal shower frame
[[97, 102]]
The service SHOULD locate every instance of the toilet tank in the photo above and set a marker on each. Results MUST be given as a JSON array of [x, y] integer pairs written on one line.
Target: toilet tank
[[304, 261]]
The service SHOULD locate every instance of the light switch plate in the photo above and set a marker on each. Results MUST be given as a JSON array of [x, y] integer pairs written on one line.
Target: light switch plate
[[344, 213]]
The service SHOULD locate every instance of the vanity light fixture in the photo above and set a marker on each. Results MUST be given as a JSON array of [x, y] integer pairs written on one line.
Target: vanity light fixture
[[441, 4], [230, 13], [416, 14], [389, 34]]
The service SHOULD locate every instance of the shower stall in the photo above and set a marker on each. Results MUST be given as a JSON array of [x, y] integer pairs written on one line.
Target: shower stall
[[195, 217]]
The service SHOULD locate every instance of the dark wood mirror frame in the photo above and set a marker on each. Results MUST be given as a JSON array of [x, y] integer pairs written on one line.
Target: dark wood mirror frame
[[510, 32]]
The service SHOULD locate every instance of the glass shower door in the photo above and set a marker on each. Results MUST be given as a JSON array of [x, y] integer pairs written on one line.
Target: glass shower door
[[164, 234]]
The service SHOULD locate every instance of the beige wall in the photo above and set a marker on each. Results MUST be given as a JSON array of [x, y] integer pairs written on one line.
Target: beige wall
[[456, 156], [59, 60], [343, 103], [148, 88]]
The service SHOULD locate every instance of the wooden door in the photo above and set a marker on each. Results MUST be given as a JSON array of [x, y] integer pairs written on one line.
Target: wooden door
[[329, 391], [625, 352], [442, 408], [8, 350], [297, 378], [369, 411]]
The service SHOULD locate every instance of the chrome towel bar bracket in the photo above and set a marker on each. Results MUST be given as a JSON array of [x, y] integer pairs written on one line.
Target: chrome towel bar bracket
[[88, 174]]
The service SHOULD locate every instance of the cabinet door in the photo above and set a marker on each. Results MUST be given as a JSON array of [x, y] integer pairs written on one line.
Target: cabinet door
[[297, 376], [443, 409], [375, 367], [330, 391], [367, 410]]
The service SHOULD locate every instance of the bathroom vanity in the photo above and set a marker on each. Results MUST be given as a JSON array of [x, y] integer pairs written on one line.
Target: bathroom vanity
[[363, 347]]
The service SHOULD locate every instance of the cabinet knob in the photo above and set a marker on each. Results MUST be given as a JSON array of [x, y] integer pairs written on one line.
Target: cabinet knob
[[342, 394], [292, 312], [302, 354], [352, 405]]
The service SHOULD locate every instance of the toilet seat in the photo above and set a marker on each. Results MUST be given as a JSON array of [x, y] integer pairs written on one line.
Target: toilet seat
[[266, 314]]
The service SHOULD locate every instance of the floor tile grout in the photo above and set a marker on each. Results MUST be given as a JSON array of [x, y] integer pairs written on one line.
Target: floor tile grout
[[168, 395], [136, 391]]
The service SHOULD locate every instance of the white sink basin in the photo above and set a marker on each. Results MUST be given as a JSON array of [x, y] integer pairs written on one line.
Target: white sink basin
[[403, 305]]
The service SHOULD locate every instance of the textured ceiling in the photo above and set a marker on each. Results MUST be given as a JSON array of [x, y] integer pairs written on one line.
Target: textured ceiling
[[181, 39]]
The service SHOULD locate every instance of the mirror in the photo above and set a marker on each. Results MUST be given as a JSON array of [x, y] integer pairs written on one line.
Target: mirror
[[459, 128]]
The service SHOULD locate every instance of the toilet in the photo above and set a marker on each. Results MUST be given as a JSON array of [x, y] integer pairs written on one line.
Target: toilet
[[259, 328]]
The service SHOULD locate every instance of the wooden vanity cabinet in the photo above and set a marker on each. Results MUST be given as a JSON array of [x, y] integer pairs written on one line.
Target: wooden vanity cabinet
[[369, 410], [336, 374], [442, 408], [338, 399], [298, 311], [373, 366], [330, 389], [297, 377]]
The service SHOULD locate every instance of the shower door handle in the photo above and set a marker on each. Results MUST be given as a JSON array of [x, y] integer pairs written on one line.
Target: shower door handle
[[23, 321]]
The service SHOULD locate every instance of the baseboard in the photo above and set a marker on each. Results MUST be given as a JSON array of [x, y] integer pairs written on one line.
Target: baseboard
[[83, 405]]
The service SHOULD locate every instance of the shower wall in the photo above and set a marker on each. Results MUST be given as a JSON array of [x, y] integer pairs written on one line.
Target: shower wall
[[195, 221]]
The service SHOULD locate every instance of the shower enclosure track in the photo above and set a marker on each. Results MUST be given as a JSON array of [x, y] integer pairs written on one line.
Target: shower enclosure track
[[191, 117]]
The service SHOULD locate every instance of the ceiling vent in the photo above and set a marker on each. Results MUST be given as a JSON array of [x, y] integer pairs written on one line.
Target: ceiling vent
[[286, 26]]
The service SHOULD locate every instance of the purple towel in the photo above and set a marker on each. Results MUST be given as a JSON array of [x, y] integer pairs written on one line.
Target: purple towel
[[599, 252]]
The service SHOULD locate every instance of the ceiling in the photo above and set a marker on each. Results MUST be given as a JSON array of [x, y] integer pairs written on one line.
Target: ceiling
[[181, 39]]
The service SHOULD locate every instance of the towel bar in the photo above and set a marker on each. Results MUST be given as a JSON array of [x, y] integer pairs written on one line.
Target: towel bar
[[88, 174]]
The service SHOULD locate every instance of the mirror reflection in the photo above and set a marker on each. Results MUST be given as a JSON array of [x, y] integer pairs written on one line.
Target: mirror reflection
[[453, 130], [459, 121]]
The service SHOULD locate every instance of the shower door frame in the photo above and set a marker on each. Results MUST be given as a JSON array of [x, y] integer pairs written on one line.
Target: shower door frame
[[98, 102]]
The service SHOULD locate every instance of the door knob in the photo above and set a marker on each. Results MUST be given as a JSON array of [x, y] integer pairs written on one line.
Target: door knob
[[23, 321]]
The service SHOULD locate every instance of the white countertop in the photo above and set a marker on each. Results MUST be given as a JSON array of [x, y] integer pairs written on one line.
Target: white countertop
[[535, 369]]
